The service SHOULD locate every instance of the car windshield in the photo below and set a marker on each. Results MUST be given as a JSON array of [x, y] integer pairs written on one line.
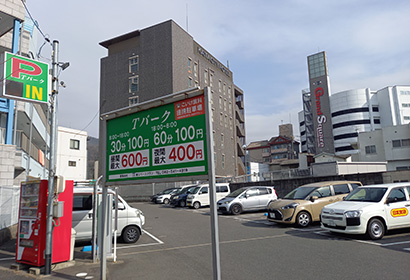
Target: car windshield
[[194, 190], [300, 193], [236, 192], [366, 194], [168, 191], [183, 191]]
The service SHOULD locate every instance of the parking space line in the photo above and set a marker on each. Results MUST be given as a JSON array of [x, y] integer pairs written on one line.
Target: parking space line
[[395, 243], [158, 242], [406, 249], [7, 259]]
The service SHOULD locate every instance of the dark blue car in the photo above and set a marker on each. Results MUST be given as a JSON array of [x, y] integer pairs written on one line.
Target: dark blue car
[[179, 199]]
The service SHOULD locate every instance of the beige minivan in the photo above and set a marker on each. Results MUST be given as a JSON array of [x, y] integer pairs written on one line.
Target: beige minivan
[[304, 204]]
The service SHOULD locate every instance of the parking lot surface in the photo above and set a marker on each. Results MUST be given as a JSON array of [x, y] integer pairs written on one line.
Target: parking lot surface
[[176, 244]]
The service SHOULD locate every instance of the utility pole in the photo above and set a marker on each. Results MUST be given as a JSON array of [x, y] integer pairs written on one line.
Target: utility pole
[[52, 167]]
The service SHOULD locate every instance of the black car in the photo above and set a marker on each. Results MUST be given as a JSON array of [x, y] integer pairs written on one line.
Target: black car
[[179, 199]]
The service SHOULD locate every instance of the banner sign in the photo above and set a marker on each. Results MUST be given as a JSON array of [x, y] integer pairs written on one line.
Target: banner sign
[[161, 142]]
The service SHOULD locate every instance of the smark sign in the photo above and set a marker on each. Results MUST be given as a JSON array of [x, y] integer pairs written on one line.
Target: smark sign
[[162, 142], [24, 79], [399, 212]]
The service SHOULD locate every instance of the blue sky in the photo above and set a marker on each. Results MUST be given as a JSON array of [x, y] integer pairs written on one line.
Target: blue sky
[[265, 41]]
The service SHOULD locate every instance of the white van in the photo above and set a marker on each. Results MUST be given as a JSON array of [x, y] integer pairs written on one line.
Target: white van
[[200, 195], [130, 220]]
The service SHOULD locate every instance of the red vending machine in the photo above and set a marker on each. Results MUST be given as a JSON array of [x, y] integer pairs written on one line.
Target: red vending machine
[[31, 235]]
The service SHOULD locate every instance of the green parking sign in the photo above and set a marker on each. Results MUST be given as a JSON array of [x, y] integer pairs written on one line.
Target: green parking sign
[[167, 141], [24, 79]]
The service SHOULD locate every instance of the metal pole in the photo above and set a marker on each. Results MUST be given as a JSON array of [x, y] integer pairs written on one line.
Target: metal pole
[[103, 239], [216, 263], [53, 143]]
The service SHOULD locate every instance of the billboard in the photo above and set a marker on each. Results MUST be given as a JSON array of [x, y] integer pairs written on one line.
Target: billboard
[[320, 103], [166, 141], [24, 79]]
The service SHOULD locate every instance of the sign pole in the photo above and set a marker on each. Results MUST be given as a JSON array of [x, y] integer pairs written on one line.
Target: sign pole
[[52, 167], [216, 263]]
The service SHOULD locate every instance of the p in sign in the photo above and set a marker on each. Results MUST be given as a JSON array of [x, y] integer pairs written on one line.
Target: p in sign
[[24, 79]]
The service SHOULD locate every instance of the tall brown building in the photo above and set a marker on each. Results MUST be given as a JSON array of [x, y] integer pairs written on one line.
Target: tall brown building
[[163, 59]]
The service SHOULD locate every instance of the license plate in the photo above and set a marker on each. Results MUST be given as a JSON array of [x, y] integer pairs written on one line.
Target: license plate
[[272, 215]]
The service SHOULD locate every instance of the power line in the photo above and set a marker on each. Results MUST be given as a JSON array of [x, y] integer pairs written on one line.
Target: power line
[[35, 22]]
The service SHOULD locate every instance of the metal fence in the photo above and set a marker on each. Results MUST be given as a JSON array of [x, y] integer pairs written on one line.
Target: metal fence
[[269, 176], [9, 205]]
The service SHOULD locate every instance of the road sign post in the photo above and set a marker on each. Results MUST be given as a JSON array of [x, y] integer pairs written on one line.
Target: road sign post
[[162, 140]]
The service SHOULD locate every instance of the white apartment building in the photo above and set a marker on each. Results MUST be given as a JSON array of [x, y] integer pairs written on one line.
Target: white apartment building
[[390, 144], [72, 154]]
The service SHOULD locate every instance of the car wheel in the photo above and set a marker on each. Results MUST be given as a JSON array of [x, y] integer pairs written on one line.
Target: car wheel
[[196, 205], [182, 203], [130, 234], [303, 219], [375, 229], [236, 209], [166, 201]]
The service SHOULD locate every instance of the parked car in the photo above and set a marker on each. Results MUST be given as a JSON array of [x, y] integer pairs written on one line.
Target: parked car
[[370, 210], [304, 204], [199, 196], [165, 197], [179, 198], [130, 220], [247, 199], [154, 197]]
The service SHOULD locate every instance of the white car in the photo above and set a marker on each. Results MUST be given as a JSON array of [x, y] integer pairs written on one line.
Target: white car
[[247, 199], [130, 220], [370, 210], [199, 196]]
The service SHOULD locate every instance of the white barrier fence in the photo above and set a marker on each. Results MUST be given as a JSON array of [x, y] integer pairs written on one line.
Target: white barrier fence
[[9, 205]]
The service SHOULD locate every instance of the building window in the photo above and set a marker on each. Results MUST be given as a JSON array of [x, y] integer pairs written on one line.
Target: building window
[[189, 82], [133, 84], [206, 77], [370, 149], [195, 70], [211, 80], [226, 120], [405, 142], [72, 163], [189, 65], [225, 105], [220, 86], [405, 105], [221, 119], [223, 161], [212, 114], [405, 92], [133, 100], [224, 89], [230, 123], [74, 144], [229, 93], [220, 103], [401, 143], [133, 63], [406, 118], [230, 107], [222, 141]]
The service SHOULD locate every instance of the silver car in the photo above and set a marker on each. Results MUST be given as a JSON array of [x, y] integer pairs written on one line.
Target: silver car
[[247, 199]]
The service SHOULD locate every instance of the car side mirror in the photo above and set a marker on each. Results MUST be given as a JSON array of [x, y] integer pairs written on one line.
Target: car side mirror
[[391, 200], [313, 198]]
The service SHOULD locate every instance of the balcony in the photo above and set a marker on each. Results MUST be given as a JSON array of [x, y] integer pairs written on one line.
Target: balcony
[[239, 115], [240, 128], [241, 151]]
